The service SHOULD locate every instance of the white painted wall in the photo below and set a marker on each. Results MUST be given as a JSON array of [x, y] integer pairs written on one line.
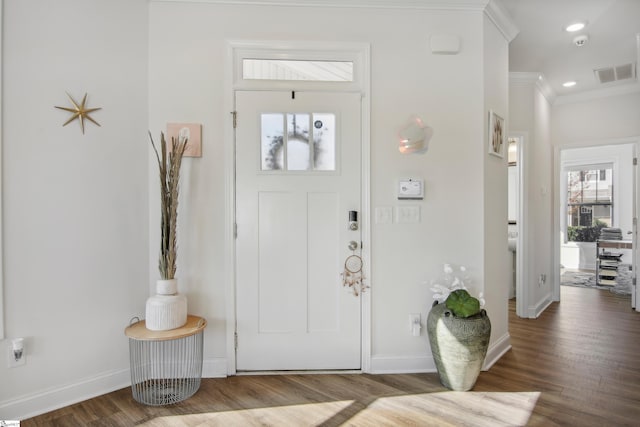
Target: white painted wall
[[75, 206], [497, 265], [187, 66], [540, 199], [530, 113], [80, 212], [599, 120]]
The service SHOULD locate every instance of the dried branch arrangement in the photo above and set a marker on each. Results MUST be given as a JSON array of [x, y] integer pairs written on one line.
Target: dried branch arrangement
[[169, 168]]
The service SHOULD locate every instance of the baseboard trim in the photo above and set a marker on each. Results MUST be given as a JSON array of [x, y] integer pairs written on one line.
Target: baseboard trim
[[214, 367], [496, 351], [31, 405], [536, 311], [426, 364], [402, 364], [34, 404]]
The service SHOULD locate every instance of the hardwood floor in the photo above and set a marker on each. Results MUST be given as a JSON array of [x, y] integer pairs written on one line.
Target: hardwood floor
[[576, 365]]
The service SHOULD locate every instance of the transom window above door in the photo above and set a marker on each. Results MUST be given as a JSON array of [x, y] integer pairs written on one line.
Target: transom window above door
[[298, 141], [281, 69]]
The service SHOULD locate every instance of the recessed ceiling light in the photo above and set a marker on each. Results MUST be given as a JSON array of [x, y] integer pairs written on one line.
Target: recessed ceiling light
[[569, 84], [577, 26]]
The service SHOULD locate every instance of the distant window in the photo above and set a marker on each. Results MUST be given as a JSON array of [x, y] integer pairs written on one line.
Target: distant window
[[603, 174], [589, 203]]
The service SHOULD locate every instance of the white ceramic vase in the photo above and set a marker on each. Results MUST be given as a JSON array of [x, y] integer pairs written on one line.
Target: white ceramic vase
[[167, 309], [167, 286]]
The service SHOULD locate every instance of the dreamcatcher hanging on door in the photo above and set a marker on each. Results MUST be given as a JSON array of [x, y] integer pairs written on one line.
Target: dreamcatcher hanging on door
[[353, 277]]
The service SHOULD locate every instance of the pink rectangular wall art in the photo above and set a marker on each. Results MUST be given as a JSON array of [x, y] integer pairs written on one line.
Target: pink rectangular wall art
[[191, 131]]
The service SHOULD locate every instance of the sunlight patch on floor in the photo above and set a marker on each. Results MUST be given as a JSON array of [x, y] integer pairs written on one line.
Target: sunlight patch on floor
[[441, 409], [451, 408], [310, 414]]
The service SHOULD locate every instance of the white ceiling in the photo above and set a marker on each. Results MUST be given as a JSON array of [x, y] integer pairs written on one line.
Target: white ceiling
[[543, 46]]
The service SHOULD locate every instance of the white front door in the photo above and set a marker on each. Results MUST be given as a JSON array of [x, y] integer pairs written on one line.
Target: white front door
[[298, 173]]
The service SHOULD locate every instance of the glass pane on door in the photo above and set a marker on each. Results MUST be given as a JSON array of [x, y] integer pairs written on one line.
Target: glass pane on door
[[324, 141], [298, 142], [272, 134], [309, 143]]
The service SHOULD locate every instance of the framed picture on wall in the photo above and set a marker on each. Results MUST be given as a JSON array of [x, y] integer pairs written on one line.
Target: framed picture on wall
[[496, 134], [190, 131]]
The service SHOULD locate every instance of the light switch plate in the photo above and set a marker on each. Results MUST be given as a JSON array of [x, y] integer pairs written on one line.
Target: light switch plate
[[408, 214], [384, 215]]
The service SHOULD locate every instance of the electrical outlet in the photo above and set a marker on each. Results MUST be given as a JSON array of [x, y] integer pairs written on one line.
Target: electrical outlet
[[542, 279], [415, 324], [11, 357]]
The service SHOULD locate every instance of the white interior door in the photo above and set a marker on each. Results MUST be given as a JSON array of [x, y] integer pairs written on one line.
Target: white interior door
[[297, 177]]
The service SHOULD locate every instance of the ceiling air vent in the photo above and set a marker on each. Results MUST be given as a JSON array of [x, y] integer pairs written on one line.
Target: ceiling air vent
[[614, 74]]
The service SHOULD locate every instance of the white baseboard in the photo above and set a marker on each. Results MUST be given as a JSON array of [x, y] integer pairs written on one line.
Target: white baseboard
[[537, 310], [214, 368], [425, 364], [30, 405], [402, 364], [496, 351]]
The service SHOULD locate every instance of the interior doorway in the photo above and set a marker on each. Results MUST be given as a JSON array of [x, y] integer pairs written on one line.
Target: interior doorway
[[597, 193]]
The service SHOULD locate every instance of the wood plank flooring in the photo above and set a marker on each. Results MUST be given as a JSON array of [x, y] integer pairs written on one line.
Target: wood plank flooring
[[577, 365]]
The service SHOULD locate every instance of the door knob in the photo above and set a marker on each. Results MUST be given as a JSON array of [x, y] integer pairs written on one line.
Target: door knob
[[353, 245]]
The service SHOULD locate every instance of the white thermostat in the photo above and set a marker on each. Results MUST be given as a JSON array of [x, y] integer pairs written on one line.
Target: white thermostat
[[410, 188]]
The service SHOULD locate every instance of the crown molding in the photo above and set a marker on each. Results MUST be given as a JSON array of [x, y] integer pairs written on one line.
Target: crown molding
[[492, 8], [501, 18], [591, 95], [383, 4], [536, 79]]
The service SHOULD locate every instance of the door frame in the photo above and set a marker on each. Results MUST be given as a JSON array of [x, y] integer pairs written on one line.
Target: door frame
[[522, 253], [557, 205], [359, 53]]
